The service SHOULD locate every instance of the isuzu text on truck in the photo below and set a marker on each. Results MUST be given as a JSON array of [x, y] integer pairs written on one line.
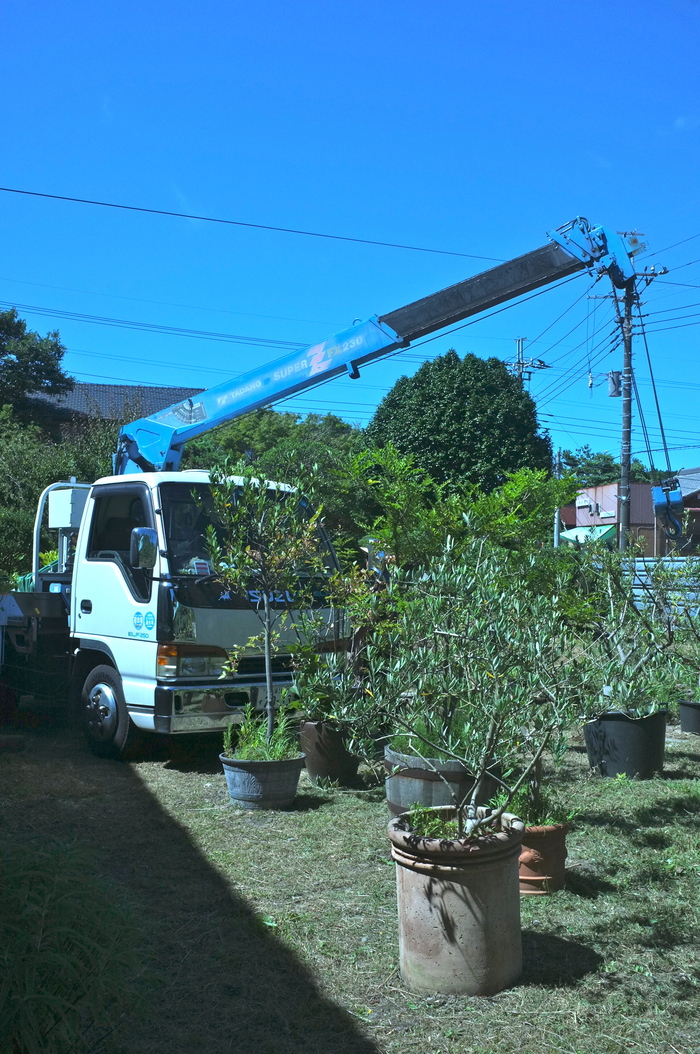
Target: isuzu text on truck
[[129, 624]]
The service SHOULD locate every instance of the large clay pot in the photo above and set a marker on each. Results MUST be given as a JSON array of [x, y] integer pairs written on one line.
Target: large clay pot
[[327, 757], [459, 909], [262, 784], [690, 717], [542, 863], [619, 745], [428, 782]]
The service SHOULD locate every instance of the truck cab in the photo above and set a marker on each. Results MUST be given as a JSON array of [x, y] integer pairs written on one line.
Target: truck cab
[[146, 626]]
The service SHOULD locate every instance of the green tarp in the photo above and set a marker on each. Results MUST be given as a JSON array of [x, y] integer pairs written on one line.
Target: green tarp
[[602, 533]]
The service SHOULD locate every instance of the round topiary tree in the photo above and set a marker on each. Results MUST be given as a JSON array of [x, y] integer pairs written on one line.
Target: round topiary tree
[[467, 420]]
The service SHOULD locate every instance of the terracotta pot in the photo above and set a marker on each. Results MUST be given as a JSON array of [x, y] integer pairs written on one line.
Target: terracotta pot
[[326, 754], [459, 909], [542, 863]]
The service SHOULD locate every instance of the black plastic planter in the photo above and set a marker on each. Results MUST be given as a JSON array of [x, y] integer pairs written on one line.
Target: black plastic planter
[[690, 717], [326, 755], [619, 745]]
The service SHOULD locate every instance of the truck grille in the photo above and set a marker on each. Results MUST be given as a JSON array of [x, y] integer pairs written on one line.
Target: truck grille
[[255, 664]]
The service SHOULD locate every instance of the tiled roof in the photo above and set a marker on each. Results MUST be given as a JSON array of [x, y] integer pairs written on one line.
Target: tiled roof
[[116, 402]]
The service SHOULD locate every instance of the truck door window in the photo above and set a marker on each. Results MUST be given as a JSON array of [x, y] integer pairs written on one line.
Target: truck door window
[[114, 517]]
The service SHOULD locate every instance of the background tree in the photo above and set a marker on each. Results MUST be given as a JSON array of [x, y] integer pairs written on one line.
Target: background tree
[[29, 363], [316, 450], [464, 420], [593, 469], [29, 461], [519, 515]]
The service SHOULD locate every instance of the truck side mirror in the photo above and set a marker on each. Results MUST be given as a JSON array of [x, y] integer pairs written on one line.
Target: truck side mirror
[[143, 548]]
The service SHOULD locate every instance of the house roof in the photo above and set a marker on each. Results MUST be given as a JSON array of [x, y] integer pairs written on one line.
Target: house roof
[[689, 481], [115, 402]]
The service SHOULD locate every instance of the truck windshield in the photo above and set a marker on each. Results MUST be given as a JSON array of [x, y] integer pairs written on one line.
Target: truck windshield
[[187, 512]]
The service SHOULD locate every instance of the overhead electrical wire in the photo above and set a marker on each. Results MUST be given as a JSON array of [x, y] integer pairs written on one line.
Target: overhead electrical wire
[[152, 327], [168, 303], [242, 223], [675, 245], [656, 395]]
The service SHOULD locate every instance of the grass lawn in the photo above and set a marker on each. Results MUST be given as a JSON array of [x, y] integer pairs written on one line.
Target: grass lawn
[[276, 932]]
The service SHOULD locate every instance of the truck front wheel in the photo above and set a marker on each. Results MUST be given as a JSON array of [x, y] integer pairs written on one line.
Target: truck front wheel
[[107, 727]]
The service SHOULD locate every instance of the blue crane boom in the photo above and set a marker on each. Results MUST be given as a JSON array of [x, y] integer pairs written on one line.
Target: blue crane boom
[[156, 443]]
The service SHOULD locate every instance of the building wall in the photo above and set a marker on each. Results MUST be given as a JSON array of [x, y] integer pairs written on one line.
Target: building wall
[[593, 502]]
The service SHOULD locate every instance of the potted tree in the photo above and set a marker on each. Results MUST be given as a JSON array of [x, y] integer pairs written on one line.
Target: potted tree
[[474, 645], [265, 546], [321, 686], [629, 659]]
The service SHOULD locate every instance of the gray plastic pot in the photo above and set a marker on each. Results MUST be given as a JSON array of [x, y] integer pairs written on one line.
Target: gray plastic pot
[[262, 784], [428, 782]]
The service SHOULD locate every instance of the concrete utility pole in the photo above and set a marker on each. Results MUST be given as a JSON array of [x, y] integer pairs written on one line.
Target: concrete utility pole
[[557, 519], [626, 454]]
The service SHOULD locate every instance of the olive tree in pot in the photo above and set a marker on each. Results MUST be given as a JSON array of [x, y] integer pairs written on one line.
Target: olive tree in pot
[[630, 660], [266, 547], [320, 686], [480, 672]]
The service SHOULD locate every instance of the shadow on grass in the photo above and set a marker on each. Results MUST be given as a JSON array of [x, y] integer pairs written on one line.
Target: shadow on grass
[[584, 882], [225, 982], [680, 810], [553, 962], [679, 774], [306, 802]]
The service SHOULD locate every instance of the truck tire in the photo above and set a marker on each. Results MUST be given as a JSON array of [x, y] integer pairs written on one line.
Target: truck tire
[[107, 727]]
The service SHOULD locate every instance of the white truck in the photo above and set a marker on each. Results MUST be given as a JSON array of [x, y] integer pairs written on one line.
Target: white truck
[[129, 625]]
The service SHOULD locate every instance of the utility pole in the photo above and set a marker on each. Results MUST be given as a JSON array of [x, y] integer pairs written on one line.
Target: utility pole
[[523, 368], [557, 520], [520, 358], [626, 453]]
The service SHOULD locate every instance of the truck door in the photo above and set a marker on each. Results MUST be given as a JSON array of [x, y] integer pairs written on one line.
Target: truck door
[[114, 603]]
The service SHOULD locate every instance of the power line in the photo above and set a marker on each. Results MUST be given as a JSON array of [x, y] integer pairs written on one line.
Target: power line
[[167, 303], [153, 327], [242, 223], [667, 248]]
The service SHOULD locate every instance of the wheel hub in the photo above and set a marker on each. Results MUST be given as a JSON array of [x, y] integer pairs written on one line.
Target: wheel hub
[[101, 712]]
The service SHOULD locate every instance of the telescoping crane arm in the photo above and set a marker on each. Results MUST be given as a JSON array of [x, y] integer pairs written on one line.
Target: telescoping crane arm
[[155, 443]]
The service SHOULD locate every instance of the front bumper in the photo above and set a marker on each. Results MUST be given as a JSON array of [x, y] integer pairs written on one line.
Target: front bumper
[[208, 708]]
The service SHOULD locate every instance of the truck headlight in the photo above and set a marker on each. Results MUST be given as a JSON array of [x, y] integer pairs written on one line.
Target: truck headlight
[[190, 660]]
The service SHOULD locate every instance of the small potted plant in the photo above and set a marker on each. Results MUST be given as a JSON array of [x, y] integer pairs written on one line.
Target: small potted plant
[[265, 545], [262, 772], [321, 686], [542, 861]]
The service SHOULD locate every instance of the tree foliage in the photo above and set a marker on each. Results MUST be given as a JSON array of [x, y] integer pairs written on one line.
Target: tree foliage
[[316, 449], [29, 461], [464, 420], [594, 469], [29, 363]]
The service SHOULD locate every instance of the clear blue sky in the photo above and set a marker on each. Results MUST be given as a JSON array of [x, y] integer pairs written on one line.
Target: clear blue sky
[[471, 127]]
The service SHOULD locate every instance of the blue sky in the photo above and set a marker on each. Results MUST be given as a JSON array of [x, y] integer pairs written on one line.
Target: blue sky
[[462, 126]]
